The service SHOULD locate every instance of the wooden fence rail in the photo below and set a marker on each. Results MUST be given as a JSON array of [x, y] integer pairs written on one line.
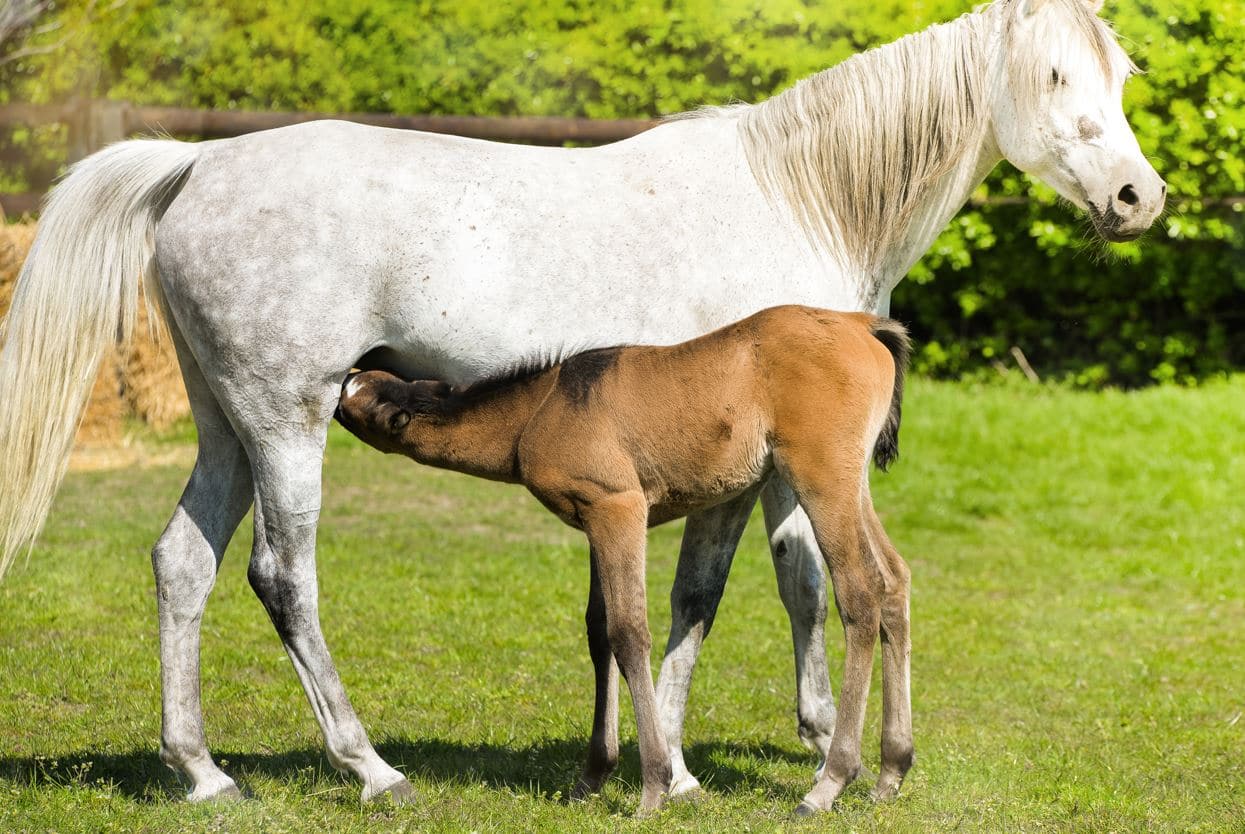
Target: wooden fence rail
[[93, 124]]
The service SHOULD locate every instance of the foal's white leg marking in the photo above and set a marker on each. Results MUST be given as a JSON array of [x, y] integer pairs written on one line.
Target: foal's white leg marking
[[185, 561], [802, 586], [709, 542], [283, 575]]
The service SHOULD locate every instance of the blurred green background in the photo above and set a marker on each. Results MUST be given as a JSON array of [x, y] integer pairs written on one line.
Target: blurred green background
[[1026, 273]]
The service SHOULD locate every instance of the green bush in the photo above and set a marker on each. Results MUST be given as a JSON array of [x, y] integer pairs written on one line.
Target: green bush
[[1026, 274]]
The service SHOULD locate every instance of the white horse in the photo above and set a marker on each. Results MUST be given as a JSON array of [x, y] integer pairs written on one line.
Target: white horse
[[283, 259]]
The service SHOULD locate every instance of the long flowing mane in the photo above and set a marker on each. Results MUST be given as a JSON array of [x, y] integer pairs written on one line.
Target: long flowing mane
[[854, 149]]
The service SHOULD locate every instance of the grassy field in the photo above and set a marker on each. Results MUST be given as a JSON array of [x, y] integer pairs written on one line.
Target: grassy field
[[1078, 662]]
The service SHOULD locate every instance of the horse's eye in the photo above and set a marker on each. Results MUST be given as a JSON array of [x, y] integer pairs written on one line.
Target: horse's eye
[[1057, 79], [398, 421]]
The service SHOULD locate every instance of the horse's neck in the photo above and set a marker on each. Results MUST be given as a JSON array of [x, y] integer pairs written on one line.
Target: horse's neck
[[827, 149], [940, 204], [478, 433]]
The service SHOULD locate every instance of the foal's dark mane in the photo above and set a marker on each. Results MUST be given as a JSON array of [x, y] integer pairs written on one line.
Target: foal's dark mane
[[579, 374]]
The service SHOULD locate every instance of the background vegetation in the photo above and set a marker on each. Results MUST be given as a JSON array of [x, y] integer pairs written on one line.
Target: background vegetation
[[1168, 308], [1076, 659]]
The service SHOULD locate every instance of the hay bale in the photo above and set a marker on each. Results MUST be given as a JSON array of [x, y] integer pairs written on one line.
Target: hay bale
[[151, 381], [145, 383]]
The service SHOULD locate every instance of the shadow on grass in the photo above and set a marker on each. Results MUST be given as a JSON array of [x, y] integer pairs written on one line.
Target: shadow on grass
[[546, 769]]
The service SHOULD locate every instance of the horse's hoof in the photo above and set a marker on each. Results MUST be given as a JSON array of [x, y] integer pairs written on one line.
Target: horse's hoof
[[804, 811], [228, 793], [686, 785], [399, 793], [687, 796], [584, 790], [650, 806]]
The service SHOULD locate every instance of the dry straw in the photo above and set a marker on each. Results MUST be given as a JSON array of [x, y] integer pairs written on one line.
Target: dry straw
[[145, 383]]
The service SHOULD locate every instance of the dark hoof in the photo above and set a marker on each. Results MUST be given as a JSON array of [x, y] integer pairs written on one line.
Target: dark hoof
[[399, 793], [804, 811], [583, 791]]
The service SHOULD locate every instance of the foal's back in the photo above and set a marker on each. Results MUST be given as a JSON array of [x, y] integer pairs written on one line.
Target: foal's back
[[696, 423]]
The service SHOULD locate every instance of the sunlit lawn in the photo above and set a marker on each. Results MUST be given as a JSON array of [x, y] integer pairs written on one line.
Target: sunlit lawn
[[1078, 629]]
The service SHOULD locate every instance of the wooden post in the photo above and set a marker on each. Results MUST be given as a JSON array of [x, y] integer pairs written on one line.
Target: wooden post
[[94, 125], [78, 121]]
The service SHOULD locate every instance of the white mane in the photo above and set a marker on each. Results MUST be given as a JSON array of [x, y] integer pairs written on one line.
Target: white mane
[[854, 149]]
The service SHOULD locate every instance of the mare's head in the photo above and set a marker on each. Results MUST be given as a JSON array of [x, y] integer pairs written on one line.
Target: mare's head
[[377, 407], [1057, 114]]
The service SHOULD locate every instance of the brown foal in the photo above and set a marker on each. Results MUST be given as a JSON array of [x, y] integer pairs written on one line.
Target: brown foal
[[616, 440]]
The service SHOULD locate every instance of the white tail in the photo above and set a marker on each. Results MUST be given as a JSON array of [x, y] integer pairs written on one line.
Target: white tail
[[76, 295]]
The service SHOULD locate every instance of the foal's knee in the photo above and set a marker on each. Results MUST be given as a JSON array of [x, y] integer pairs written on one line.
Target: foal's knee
[[631, 643]]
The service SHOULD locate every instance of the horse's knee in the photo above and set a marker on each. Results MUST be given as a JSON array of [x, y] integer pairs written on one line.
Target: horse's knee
[[694, 606], [800, 573], [631, 643]]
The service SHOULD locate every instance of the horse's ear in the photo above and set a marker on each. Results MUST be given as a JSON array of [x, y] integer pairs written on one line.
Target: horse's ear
[[1029, 7]]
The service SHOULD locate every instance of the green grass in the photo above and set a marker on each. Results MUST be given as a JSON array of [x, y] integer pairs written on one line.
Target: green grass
[[1078, 629]]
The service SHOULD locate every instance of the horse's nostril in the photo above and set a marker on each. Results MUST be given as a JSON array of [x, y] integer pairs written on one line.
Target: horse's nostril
[[1128, 196]]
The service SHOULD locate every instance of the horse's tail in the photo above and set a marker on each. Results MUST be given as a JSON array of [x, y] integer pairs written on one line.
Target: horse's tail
[[894, 337], [77, 294]]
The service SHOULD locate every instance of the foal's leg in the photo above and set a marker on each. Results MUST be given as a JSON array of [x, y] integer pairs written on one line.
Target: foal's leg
[[185, 561], [897, 749], [616, 528], [802, 587], [603, 748], [283, 574], [830, 489], [709, 543]]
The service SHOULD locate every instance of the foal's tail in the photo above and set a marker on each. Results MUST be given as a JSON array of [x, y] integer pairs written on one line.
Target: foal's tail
[[77, 294], [894, 337]]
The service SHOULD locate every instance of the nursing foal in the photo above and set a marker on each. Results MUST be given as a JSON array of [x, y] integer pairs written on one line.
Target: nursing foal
[[616, 440]]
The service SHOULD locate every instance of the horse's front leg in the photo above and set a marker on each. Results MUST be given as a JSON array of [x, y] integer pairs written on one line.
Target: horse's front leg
[[802, 586], [709, 542]]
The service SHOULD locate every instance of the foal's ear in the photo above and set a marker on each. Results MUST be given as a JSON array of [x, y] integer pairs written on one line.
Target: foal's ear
[[398, 421]]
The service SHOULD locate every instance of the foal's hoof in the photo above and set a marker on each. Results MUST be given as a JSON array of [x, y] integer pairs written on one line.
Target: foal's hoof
[[399, 793], [585, 789], [650, 806]]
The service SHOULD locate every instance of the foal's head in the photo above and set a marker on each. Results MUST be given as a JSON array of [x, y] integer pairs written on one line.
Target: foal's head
[[1058, 114], [377, 407]]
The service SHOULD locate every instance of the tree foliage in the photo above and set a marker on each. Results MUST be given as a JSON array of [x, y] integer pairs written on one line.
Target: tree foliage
[[1023, 273]]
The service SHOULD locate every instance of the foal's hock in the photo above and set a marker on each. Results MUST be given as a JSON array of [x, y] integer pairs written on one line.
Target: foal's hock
[[616, 440]]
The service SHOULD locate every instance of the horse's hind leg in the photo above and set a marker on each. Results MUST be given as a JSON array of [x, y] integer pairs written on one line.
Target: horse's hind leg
[[709, 543], [286, 465], [897, 750], [185, 561], [802, 587], [603, 748]]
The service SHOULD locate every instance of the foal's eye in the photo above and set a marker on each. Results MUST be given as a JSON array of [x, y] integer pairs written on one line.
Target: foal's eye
[[1057, 79], [398, 421]]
